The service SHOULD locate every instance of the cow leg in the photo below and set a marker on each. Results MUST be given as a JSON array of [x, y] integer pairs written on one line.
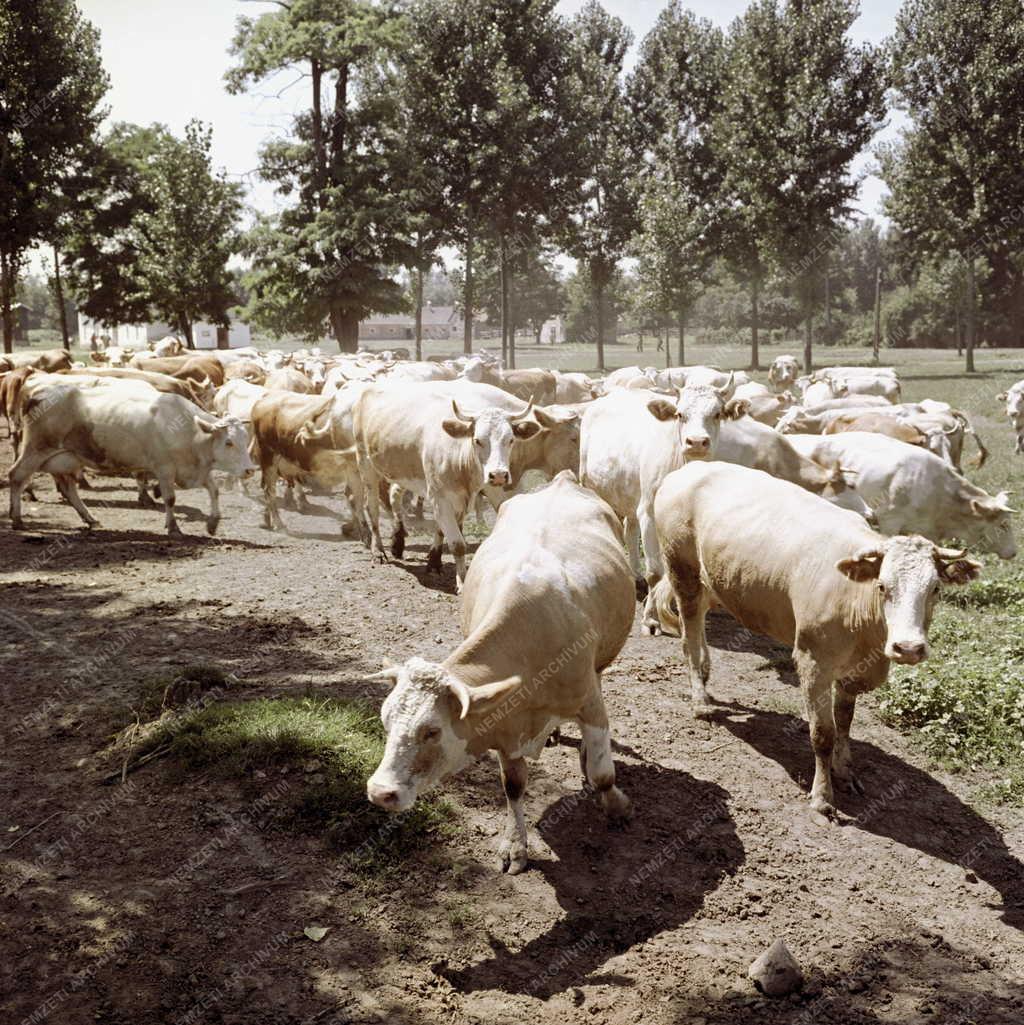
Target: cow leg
[[449, 522], [214, 518], [816, 685], [271, 514], [288, 501], [371, 493], [395, 494], [67, 484], [145, 501], [434, 555], [301, 502], [693, 603], [356, 502], [632, 532], [167, 493], [596, 754], [18, 477], [655, 568], [843, 703], [513, 848]]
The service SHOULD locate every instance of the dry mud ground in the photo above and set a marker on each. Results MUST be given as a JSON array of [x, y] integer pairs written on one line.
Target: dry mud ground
[[165, 900]]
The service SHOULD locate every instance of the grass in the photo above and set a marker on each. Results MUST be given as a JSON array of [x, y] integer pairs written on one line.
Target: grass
[[323, 750]]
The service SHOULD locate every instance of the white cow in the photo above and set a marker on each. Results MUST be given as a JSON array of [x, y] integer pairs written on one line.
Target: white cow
[[1014, 399], [912, 491], [783, 374]]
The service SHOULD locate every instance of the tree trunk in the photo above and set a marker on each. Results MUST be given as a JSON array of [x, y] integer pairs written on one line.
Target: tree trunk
[[598, 292], [419, 313], [510, 308], [319, 149], [755, 316], [682, 336], [958, 338], [58, 288], [185, 327], [668, 342], [877, 342], [503, 288], [808, 340], [537, 335], [7, 276], [972, 314], [828, 307], [640, 339], [346, 329], [467, 296]]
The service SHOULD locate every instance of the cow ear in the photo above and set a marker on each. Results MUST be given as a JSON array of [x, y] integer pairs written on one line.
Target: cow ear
[[482, 699], [662, 410], [957, 570], [986, 510], [203, 425], [1002, 397], [865, 565], [736, 408], [525, 429], [457, 428]]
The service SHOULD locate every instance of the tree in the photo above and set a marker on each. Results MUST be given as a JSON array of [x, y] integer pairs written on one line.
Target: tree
[[328, 256], [675, 94], [958, 68], [604, 218], [489, 90], [832, 101], [51, 86]]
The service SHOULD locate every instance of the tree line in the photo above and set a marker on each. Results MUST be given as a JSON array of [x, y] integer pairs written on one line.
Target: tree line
[[717, 171]]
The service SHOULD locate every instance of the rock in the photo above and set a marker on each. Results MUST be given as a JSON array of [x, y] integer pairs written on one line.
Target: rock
[[776, 973]]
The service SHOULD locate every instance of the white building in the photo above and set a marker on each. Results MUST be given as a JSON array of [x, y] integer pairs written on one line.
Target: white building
[[138, 336]]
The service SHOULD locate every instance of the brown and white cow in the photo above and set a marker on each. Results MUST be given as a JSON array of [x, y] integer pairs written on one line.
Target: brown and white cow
[[547, 605], [245, 370], [123, 427], [49, 360], [191, 366], [289, 379], [306, 438], [790, 566], [535, 385], [416, 436], [201, 393]]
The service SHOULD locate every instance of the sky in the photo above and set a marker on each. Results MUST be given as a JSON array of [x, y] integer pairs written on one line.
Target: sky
[[166, 61]]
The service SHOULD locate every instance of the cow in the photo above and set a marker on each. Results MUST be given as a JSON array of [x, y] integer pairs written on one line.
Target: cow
[[911, 491], [49, 360], [188, 367], [199, 393], [552, 574], [812, 419], [422, 370], [783, 374], [289, 379], [245, 370], [573, 388], [306, 438], [847, 381], [416, 436], [630, 441], [124, 427], [764, 405], [11, 384], [236, 398], [877, 423], [169, 346], [787, 565], [1014, 399], [535, 385]]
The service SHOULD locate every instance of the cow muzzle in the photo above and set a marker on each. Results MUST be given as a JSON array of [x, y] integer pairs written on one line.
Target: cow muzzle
[[499, 478], [390, 796], [697, 446], [907, 653]]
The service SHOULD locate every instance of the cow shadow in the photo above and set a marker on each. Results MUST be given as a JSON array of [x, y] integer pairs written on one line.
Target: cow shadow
[[617, 886], [902, 802]]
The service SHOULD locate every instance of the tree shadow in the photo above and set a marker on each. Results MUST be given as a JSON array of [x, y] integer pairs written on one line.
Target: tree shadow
[[902, 802], [617, 886]]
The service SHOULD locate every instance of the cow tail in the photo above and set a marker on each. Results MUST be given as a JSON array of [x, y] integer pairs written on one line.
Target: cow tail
[[665, 607], [979, 459]]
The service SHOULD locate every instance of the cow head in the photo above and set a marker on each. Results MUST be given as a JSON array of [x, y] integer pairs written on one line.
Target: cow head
[[908, 572], [783, 372], [699, 410], [841, 490], [427, 737], [229, 445], [492, 432], [561, 438], [988, 526]]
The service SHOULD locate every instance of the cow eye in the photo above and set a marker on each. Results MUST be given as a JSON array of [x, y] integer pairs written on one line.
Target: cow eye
[[431, 733], [230, 444], [881, 587]]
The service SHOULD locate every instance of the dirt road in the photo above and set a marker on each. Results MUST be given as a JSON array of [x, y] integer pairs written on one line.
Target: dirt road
[[163, 900]]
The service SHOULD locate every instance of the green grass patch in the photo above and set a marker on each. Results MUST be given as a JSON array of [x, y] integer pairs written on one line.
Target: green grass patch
[[329, 747], [966, 703]]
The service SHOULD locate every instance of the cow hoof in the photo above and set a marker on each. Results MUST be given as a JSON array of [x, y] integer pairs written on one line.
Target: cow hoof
[[618, 806], [850, 783], [641, 589], [824, 808], [145, 502], [554, 738], [398, 546], [211, 524], [512, 863], [652, 629], [18, 524], [703, 711], [434, 562], [379, 557], [175, 532]]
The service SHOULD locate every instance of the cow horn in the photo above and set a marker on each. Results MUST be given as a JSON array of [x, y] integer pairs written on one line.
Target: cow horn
[[950, 554], [460, 416], [525, 413], [727, 389], [461, 691]]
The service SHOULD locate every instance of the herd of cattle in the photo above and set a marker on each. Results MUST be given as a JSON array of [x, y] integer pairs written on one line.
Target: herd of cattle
[[699, 464]]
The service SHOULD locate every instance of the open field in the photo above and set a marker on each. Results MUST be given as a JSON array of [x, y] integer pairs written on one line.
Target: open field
[[182, 894]]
